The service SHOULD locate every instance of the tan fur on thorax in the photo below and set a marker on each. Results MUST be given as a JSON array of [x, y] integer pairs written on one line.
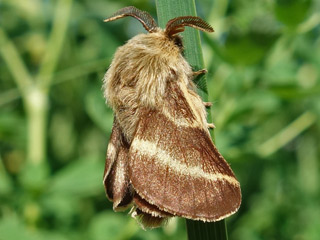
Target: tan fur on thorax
[[138, 77]]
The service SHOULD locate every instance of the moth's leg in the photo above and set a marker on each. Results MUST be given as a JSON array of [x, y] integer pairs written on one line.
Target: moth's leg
[[211, 125], [207, 104], [199, 72]]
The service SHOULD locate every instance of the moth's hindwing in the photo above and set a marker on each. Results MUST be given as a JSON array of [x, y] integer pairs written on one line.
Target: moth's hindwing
[[113, 148], [146, 207], [116, 179], [148, 215], [176, 167]]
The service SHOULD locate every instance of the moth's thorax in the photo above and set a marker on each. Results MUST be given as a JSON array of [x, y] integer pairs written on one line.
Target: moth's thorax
[[154, 44], [139, 73]]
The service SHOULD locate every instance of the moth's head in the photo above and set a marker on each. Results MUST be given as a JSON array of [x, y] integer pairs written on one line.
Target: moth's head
[[173, 27]]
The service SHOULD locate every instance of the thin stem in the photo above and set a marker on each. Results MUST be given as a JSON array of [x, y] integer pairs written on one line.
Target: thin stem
[[36, 103], [14, 62], [55, 42], [287, 134], [37, 99], [35, 91]]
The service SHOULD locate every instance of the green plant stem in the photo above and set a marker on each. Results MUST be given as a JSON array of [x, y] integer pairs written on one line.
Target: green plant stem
[[36, 102], [37, 98], [287, 134], [34, 91], [204, 231], [58, 33], [14, 62], [166, 10], [62, 76]]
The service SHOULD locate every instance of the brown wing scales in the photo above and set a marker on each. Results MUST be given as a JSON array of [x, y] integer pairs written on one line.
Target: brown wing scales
[[178, 169]]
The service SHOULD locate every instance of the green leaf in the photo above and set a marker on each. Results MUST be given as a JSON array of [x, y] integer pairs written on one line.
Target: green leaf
[[97, 110], [11, 228], [12, 128], [109, 226], [82, 177], [62, 207], [291, 12], [34, 176], [6, 184], [249, 46]]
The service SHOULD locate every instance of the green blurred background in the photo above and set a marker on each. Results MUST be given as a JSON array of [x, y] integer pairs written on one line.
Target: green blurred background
[[263, 80]]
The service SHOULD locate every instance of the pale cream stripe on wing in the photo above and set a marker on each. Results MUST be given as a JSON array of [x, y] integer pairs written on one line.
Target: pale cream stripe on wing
[[150, 149], [180, 122]]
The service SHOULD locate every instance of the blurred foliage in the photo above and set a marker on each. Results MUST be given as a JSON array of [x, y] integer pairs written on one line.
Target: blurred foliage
[[264, 81]]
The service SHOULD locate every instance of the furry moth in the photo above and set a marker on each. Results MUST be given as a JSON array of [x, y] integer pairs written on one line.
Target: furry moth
[[160, 159]]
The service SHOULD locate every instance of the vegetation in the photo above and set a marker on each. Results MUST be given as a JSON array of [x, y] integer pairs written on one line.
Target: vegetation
[[264, 82]]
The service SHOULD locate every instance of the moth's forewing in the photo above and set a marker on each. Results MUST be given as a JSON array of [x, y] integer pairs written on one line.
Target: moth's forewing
[[176, 167]]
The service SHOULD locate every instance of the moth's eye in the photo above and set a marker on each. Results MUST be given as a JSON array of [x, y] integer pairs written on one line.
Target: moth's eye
[[178, 41]]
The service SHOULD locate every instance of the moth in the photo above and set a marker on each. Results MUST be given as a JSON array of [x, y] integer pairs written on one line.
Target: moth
[[160, 160]]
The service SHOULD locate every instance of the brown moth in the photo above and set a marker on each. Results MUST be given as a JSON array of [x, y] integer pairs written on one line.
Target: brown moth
[[160, 158]]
